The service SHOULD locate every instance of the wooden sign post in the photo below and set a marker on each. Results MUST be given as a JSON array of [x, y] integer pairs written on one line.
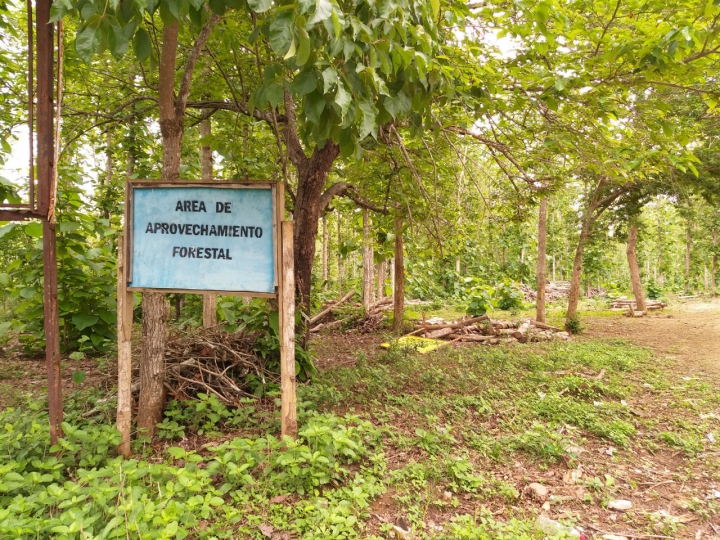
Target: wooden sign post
[[228, 238]]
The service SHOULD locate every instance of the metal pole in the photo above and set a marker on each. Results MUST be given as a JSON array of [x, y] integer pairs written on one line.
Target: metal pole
[[45, 170]]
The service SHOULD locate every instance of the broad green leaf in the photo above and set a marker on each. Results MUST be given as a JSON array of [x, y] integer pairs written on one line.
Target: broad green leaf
[[281, 32], [78, 376], [87, 43], [260, 6], [34, 229], [4, 327], [77, 355], [82, 321], [323, 11], [304, 83], [342, 99], [303, 52], [5, 229], [274, 94], [4, 278], [368, 125], [142, 45], [314, 106], [59, 9], [398, 105], [435, 6]]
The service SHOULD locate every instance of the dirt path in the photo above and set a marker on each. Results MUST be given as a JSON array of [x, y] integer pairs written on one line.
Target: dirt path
[[689, 333]]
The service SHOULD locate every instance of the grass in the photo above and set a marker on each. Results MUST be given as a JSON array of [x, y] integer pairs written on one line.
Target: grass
[[448, 440]]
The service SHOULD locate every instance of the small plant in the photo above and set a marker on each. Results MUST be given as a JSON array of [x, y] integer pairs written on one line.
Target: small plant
[[653, 289], [573, 325], [480, 301]]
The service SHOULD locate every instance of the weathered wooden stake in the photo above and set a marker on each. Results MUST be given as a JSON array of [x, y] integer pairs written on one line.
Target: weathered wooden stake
[[124, 332], [287, 334]]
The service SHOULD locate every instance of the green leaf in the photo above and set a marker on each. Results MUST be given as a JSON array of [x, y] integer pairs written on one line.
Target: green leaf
[[77, 355], [314, 106], [5, 229], [78, 376], [368, 125], [281, 32], [323, 11], [303, 52], [82, 321], [435, 6], [34, 229], [304, 83], [142, 45], [87, 43], [260, 6], [398, 105], [4, 279], [4, 327], [217, 6], [274, 94], [65, 226], [342, 99], [59, 9]]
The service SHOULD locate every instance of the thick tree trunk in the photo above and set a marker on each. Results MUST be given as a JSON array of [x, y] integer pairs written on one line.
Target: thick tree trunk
[[635, 282], [574, 295], [152, 365], [399, 280], [368, 286], [541, 263], [325, 252], [312, 174]]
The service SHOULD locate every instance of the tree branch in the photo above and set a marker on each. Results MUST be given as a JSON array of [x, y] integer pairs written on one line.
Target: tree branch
[[349, 191], [199, 45]]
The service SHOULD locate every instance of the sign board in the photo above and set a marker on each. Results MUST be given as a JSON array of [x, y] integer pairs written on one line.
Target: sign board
[[195, 236]]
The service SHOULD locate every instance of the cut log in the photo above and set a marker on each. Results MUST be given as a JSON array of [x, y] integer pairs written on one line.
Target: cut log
[[471, 337], [460, 324], [544, 326], [329, 325], [442, 332], [331, 308]]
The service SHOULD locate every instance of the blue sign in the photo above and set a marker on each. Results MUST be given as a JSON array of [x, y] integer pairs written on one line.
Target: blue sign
[[203, 238]]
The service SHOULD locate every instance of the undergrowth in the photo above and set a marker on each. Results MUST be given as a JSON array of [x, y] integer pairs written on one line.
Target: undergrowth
[[458, 417]]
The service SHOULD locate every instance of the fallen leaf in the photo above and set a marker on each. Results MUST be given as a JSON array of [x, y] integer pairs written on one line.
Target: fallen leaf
[[266, 530], [278, 499]]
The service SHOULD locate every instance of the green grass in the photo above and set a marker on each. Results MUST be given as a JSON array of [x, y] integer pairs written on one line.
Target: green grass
[[431, 434]]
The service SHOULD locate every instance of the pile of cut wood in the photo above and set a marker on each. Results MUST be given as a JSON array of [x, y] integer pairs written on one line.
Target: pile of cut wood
[[554, 290], [370, 321], [630, 305], [486, 330]]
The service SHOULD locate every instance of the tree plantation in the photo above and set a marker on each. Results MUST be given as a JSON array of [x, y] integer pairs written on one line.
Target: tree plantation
[[365, 269]]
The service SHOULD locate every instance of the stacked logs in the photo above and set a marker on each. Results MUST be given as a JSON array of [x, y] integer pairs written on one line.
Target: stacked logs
[[491, 332], [627, 304], [554, 290]]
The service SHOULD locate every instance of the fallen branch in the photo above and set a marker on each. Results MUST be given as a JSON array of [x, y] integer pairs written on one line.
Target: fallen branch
[[331, 308]]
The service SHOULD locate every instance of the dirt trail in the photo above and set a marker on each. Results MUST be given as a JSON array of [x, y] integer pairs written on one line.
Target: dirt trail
[[689, 332]]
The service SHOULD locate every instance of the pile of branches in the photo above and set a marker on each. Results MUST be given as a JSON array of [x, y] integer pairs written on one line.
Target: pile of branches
[[483, 329], [365, 321], [214, 362]]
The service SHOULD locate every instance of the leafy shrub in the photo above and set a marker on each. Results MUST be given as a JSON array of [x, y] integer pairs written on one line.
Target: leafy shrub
[[508, 296], [653, 289], [479, 301]]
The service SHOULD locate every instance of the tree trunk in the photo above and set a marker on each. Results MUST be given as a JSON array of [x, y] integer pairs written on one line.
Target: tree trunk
[[713, 270], [554, 279], [635, 282], [381, 272], [206, 165], [325, 252], [574, 295], [312, 174], [399, 280], [688, 249], [339, 257], [206, 157], [152, 365], [541, 263], [368, 263]]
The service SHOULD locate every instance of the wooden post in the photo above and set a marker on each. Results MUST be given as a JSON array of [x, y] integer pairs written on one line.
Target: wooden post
[[124, 333], [287, 334], [542, 248], [209, 310]]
